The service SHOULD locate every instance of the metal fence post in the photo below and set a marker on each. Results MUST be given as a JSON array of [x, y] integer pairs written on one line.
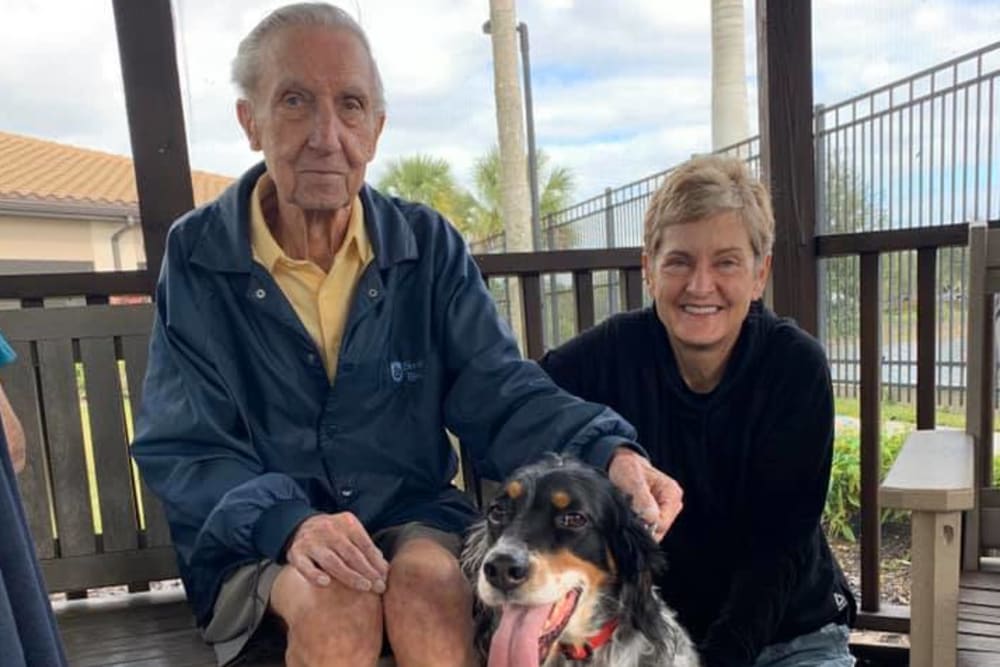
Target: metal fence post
[[609, 236], [819, 141], [550, 234]]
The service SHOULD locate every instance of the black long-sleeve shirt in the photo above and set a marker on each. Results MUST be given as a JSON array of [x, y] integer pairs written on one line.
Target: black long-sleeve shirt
[[749, 565]]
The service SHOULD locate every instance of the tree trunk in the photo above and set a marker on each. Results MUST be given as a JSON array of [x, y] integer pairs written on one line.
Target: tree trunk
[[515, 198], [729, 88]]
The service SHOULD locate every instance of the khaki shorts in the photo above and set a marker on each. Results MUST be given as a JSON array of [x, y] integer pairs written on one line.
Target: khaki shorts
[[240, 623]]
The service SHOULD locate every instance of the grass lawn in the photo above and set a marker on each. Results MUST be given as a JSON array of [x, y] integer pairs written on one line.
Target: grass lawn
[[905, 413]]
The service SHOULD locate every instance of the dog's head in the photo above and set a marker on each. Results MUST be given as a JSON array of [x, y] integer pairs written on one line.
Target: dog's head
[[559, 556]]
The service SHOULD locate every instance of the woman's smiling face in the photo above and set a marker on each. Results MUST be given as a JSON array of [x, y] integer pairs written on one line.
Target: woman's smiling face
[[702, 279]]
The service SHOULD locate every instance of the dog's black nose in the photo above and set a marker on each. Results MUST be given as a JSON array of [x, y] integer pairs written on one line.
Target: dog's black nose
[[506, 571]]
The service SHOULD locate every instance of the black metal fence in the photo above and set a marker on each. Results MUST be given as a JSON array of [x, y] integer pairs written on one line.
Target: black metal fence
[[919, 152]]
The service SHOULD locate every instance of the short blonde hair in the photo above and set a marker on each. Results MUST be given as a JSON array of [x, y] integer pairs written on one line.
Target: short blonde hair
[[705, 186]]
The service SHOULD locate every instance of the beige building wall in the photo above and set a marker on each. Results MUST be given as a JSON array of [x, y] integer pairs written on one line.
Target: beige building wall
[[54, 239]]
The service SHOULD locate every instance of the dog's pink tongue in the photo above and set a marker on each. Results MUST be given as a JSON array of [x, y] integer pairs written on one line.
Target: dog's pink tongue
[[515, 642]]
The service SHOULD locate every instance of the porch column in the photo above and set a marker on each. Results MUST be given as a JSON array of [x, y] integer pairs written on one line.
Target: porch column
[[785, 93], [155, 119]]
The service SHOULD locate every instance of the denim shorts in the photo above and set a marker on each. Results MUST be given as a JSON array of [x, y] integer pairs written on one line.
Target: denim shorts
[[827, 647]]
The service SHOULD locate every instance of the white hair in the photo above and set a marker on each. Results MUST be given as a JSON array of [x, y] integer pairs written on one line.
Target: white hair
[[246, 64]]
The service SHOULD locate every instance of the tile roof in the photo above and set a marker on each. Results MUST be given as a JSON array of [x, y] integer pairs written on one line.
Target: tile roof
[[39, 170]]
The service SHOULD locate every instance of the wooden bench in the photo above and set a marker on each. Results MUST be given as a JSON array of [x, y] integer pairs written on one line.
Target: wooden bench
[[76, 385], [932, 477]]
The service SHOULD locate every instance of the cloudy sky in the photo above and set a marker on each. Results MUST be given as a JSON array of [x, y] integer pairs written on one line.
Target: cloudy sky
[[621, 87]]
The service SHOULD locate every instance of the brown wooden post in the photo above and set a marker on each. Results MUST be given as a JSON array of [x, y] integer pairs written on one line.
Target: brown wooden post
[[926, 337], [531, 298], [784, 64], [871, 446], [633, 288], [156, 120], [583, 288]]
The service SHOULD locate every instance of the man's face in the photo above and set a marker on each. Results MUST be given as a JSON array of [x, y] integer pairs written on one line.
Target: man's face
[[313, 115]]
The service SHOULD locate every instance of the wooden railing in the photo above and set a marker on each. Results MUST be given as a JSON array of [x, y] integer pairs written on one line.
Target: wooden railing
[[582, 264], [869, 248], [529, 268]]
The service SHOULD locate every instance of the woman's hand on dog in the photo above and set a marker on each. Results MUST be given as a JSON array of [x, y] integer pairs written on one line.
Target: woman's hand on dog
[[336, 546], [656, 497]]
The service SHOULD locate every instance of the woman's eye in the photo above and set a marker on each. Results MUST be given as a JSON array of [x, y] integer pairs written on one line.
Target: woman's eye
[[292, 101], [571, 520]]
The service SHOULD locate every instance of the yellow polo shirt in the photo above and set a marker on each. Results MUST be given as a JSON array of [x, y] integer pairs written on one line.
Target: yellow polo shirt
[[321, 300]]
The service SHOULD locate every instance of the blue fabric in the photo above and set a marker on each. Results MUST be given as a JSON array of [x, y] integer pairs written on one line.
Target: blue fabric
[[242, 436], [28, 634], [827, 647], [7, 354]]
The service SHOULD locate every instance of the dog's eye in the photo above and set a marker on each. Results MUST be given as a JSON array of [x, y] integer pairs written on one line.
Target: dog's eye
[[496, 514], [571, 520]]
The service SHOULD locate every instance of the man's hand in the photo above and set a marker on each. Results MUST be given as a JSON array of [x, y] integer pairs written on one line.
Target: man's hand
[[656, 498], [337, 546]]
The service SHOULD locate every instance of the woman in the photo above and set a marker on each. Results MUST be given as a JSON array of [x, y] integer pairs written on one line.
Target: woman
[[736, 405]]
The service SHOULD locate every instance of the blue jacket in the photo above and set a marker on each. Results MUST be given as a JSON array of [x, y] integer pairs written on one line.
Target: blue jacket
[[242, 437]]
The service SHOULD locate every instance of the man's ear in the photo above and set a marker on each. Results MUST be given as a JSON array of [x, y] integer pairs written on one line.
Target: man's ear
[[244, 112], [379, 126]]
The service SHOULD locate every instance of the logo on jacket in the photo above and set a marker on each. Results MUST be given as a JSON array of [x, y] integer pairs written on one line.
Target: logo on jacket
[[410, 371], [840, 600]]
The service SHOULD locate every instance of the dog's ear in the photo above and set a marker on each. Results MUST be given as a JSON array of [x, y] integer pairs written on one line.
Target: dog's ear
[[638, 559], [474, 549], [633, 549], [485, 619]]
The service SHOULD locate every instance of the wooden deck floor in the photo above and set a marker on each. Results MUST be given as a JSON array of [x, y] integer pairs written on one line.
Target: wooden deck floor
[[979, 620], [150, 629], [153, 629], [157, 630]]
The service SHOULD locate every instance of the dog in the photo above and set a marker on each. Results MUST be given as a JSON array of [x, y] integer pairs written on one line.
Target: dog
[[563, 572]]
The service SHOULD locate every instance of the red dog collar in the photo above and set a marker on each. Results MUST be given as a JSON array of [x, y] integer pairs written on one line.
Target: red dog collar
[[586, 652]]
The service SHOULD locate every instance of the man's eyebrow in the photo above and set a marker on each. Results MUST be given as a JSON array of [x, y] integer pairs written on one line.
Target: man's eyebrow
[[289, 83], [354, 91]]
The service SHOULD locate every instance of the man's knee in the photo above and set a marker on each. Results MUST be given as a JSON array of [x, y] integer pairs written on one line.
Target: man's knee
[[425, 570], [327, 620]]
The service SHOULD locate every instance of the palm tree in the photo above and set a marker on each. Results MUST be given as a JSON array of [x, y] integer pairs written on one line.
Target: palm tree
[[729, 88], [556, 183], [429, 180], [515, 198]]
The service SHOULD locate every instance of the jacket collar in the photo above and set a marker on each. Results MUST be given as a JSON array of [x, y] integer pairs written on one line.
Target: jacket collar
[[224, 244]]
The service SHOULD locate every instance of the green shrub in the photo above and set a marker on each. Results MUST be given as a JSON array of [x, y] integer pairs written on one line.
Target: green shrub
[[843, 500], [842, 514]]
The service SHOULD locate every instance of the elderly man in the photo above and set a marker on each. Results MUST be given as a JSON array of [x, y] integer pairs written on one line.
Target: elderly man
[[314, 340]]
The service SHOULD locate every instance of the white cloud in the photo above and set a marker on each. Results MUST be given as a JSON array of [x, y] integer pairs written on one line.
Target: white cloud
[[621, 89]]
